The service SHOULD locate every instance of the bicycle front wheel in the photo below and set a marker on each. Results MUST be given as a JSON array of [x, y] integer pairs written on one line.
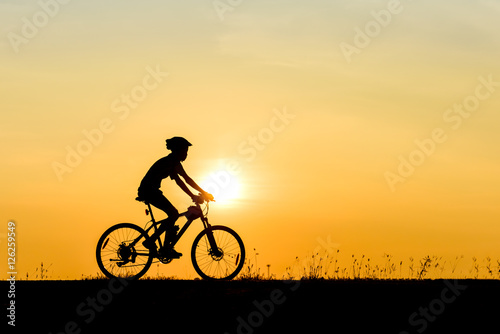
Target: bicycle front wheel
[[120, 252], [218, 253]]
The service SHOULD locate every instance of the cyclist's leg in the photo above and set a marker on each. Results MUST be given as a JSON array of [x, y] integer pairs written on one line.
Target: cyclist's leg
[[162, 203]]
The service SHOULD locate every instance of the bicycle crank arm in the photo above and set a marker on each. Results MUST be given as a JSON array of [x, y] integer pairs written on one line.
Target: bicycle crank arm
[[119, 263]]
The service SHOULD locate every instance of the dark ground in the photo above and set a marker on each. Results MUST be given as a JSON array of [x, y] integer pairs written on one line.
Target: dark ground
[[173, 306]]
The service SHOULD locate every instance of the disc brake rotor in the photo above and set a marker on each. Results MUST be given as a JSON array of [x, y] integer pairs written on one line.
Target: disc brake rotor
[[217, 255]]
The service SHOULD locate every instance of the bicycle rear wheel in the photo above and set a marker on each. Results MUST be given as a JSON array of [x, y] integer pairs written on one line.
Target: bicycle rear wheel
[[223, 262], [120, 252]]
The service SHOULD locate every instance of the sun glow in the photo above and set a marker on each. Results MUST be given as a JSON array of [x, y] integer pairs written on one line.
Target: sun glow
[[223, 185]]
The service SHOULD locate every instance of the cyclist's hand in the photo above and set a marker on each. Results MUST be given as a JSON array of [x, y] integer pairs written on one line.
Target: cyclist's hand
[[202, 197], [208, 197]]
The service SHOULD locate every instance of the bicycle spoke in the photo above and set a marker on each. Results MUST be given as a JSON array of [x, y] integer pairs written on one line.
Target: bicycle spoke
[[222, 262], [117, 257]]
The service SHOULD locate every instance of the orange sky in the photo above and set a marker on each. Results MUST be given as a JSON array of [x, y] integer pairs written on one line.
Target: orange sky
[[369, 124]]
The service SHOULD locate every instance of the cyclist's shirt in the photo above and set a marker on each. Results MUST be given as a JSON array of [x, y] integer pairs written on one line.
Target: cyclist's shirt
[[167, 166]]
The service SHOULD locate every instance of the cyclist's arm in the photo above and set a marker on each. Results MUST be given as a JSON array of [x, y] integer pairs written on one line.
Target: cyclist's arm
[[183, 186], [191, 182]]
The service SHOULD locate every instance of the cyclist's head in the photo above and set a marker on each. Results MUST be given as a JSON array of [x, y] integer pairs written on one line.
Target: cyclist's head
[[179, 146]]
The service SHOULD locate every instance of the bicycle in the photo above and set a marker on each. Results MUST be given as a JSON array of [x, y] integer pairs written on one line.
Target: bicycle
[[217, 253]]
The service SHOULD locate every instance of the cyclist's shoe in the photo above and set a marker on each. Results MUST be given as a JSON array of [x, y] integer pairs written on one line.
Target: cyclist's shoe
[[170, 252]]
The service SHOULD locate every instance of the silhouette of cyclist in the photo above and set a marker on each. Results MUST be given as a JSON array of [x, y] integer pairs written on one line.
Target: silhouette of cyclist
[[149, 191]]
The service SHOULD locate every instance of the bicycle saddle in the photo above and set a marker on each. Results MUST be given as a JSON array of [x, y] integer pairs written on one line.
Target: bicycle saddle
[[140, 199]]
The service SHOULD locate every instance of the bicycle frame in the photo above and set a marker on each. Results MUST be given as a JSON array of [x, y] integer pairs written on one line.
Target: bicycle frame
[[193, 213]]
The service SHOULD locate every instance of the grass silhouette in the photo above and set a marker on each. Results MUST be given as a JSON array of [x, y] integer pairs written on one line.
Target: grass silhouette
[[328, 266]]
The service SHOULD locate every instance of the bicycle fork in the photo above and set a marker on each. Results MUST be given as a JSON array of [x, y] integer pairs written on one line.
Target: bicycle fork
[[214, 249]]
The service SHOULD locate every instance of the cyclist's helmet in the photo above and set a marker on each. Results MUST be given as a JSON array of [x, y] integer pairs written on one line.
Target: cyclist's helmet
[[176, 143]]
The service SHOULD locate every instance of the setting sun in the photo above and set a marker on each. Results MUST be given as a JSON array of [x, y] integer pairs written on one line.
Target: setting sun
[[223, 185]]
